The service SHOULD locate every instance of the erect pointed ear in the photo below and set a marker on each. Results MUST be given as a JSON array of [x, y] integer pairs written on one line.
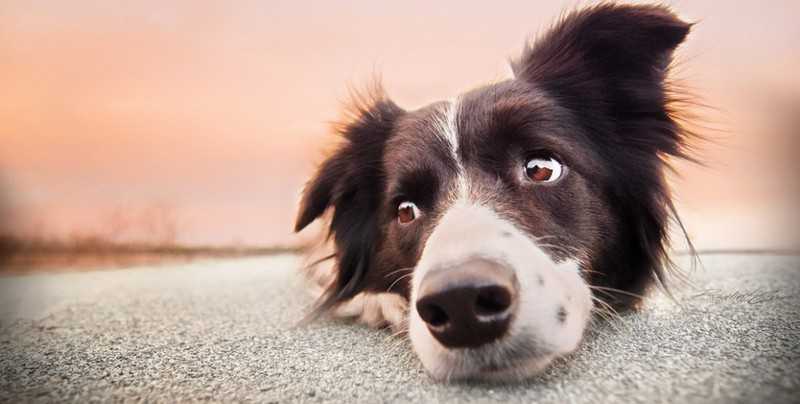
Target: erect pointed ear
[[608, 59], [352, 172]]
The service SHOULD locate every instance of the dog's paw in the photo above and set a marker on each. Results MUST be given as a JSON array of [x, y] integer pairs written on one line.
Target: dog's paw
[[376, 310]]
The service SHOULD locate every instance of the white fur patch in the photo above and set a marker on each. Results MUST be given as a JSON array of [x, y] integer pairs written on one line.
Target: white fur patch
[[469, 231], [373, 309], [448, 129], [448, 126], [376, 309]]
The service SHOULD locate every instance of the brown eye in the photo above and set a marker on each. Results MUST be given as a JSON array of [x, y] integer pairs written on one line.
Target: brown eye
[[407, 212], [543, 169]]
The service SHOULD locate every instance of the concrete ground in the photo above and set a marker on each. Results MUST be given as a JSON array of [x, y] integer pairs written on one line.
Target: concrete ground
[[224, 331]]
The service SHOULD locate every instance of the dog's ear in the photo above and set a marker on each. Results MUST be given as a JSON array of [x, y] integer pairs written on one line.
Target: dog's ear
[[351, 182], [356, 163], [618, 39], [608, 59]]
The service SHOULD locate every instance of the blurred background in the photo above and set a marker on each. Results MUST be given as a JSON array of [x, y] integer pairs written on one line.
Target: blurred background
[[192, 125]]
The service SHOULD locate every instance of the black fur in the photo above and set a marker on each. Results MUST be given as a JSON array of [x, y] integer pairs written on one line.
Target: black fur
[[352, 181], [608, 64], [592, 88]]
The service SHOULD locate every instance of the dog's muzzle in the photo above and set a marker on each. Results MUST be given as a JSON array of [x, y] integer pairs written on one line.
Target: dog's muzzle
[[469, 304], [487, 302]]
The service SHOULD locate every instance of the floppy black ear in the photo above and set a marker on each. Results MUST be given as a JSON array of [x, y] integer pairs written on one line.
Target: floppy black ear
[[609, 60], [351, 182], [356, 166]]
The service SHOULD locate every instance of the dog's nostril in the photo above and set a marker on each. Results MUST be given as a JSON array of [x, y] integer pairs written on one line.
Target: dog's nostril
[[492, 300], [432, 314]]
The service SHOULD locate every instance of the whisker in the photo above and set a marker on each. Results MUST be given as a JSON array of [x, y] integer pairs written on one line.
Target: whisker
[[597, 274], [560, 249], [617, 318], [395, 341], [604, 305], [319, 261], [554, 247], [399, 270], [596, 325], [613, 290], [607, 318], [607, 307], [538, 238], [403, 329], [609, 294], [565, 247], [398, 280]]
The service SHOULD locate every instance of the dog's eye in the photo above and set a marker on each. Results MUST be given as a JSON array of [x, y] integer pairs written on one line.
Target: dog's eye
[[543, 169], [407, 212]]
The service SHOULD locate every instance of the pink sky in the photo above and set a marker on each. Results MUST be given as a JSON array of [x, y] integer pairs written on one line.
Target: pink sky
[[219, 110]]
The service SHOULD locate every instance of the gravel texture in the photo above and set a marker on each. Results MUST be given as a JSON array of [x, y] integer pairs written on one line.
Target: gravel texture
[[226, 331]]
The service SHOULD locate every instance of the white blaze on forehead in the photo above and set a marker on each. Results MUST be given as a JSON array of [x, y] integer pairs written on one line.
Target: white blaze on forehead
[[448, 130], [447, 125]]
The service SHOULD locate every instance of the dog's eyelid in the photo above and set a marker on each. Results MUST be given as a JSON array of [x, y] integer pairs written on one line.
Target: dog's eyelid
[[397, 199], [543, 153]]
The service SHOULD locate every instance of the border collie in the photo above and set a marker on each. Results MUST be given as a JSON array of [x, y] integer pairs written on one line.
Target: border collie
[[490, 225]]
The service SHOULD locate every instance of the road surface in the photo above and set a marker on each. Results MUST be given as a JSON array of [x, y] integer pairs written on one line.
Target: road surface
[[225, 331]]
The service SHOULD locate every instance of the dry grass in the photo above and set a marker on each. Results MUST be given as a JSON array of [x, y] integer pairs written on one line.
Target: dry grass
[[87, 253]]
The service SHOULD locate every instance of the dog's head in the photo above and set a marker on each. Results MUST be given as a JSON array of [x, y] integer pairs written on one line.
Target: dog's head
[[496, 214]]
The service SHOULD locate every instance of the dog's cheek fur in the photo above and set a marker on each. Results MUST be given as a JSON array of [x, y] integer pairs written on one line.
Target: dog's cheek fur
[[607, 64], [419, 167]]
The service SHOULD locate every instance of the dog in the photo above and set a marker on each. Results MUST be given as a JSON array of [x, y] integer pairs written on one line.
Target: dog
[[491, 226]]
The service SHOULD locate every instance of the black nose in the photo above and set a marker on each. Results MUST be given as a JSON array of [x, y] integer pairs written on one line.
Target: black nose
[[469, 305]]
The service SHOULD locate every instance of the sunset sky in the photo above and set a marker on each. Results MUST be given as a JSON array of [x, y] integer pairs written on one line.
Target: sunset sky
[[218, 111]]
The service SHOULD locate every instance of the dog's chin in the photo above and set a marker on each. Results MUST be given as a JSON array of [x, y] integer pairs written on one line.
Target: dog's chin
[[509, 359], [497, 363], [513, 370]]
